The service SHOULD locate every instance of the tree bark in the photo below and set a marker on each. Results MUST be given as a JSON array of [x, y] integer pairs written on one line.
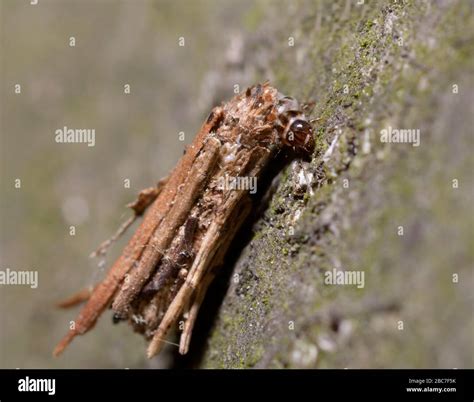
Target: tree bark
[[400, 213]]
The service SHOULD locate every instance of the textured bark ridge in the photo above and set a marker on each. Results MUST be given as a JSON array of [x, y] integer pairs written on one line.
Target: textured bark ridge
[[395, 211]]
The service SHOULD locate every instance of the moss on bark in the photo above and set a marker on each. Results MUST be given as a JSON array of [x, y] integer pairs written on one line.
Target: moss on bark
[[390, 210]]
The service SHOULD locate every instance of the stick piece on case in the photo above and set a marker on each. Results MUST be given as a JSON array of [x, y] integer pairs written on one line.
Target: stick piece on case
[[212, 241], [164, 234], [144, 200], [185, 338], [101, 297]]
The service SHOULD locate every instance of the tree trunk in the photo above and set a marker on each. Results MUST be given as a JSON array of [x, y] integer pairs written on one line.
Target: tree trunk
[[398, 213]]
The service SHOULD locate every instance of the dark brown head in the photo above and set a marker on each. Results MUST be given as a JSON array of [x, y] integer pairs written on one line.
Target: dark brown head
[[294, 129], [299, 135]]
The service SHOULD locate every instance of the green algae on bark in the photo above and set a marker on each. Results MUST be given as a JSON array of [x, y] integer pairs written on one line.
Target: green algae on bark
[[390, 210]]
